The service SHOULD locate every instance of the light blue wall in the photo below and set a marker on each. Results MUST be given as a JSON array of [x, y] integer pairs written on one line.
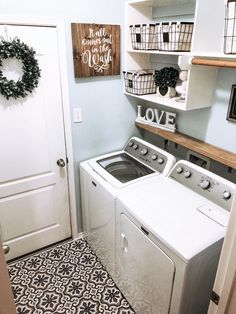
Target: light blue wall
[[210, 124], [220, 131], [108, 117]]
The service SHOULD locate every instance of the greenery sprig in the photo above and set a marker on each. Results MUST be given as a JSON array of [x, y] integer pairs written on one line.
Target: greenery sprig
[[167, 76], [31, 72]]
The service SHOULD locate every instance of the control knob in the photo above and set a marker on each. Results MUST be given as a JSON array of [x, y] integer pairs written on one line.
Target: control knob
[[144, 151], [160, 161], [226, 195], [179, 170], [131, 144], [154, 157], [205, 184], [187, 174], [135, 146]]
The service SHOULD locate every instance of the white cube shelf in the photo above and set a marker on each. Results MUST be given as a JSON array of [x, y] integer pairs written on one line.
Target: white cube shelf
[[207, 41]]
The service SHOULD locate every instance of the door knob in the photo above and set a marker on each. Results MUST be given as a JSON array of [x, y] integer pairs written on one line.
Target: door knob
[[6, 248], [61, 163]]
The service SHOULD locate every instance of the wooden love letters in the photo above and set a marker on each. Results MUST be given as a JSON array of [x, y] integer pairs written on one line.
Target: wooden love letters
[[96, 49], [157, 118]]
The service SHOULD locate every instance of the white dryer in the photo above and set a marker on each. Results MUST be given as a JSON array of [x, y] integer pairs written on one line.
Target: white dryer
[[169, 234], [102, 177]]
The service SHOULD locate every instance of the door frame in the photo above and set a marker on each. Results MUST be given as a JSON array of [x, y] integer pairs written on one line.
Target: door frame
[[224, 284], [59, 24], [7, 304]]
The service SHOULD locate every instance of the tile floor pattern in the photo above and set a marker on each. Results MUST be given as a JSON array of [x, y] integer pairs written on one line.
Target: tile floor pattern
[[66, 279]]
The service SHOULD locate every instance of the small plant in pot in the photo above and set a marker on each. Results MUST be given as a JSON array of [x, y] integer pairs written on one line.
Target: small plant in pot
[[166, 80]]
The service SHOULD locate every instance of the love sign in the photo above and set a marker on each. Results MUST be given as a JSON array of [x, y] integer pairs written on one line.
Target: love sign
[[158, 118], [96, 49]]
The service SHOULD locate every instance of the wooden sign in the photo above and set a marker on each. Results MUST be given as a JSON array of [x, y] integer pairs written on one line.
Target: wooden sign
[[96, 49], [161, 119]]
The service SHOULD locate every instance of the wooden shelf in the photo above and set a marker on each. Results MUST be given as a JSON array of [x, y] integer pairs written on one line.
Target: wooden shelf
[[218, 154]]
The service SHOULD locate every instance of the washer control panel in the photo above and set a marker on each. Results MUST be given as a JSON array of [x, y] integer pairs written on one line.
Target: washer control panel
[[148, 154], [213, 187]]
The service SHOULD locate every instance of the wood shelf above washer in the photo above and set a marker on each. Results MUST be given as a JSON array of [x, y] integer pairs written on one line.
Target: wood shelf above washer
[[218, 154]]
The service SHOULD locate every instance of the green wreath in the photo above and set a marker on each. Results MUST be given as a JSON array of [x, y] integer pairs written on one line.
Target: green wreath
[[31, 72]]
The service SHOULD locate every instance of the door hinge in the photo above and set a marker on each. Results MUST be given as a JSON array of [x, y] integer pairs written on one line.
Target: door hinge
[[67, 160], [215, 297]]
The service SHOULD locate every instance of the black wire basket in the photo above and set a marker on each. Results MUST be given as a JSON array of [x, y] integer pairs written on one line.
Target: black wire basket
[[140, 82], [230, 27], [144, 36], [175, 36]]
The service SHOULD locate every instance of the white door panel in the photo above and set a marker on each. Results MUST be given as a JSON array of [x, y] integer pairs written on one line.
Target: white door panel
[[34, 204], [26, 184], [25, 220], [16, 125]]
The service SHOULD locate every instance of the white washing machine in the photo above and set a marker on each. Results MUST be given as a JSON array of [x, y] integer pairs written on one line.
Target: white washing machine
[[169, 234], [102, 177]]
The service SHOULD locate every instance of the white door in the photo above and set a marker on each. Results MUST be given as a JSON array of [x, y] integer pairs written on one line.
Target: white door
[[34, 204]]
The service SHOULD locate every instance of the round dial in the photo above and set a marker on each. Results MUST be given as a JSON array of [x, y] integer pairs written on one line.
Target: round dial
[[154, 157], [205, 184], [187, 174], [135, 146], [179, 170], [226, 195], [131, 144], [144, 151], [160, 161]]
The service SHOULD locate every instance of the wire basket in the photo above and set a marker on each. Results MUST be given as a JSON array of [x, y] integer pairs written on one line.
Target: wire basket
[[230, 27], [140, 82], [175, 36], [144, 36]]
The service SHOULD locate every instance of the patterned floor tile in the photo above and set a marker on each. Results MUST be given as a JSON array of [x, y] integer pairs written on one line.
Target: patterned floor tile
[[66, 279]]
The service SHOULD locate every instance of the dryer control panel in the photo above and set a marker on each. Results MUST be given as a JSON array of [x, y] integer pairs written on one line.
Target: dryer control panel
[[213, 187]]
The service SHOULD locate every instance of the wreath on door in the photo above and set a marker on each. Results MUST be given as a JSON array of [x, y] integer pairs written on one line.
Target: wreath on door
[[31, 72]]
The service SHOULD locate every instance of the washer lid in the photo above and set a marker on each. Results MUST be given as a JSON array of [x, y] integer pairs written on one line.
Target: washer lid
[[172, 213], [215, 213]]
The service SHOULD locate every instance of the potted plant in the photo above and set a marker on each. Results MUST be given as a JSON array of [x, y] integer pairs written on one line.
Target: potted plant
[[166, 80]]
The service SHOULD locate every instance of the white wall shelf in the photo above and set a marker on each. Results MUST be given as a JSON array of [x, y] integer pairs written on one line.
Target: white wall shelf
[[207, 42], [148, 3], [160, 52], [215, 55], [172, 103]]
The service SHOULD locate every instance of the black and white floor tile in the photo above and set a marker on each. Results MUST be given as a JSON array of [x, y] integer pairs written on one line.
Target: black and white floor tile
[[66, 279]]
